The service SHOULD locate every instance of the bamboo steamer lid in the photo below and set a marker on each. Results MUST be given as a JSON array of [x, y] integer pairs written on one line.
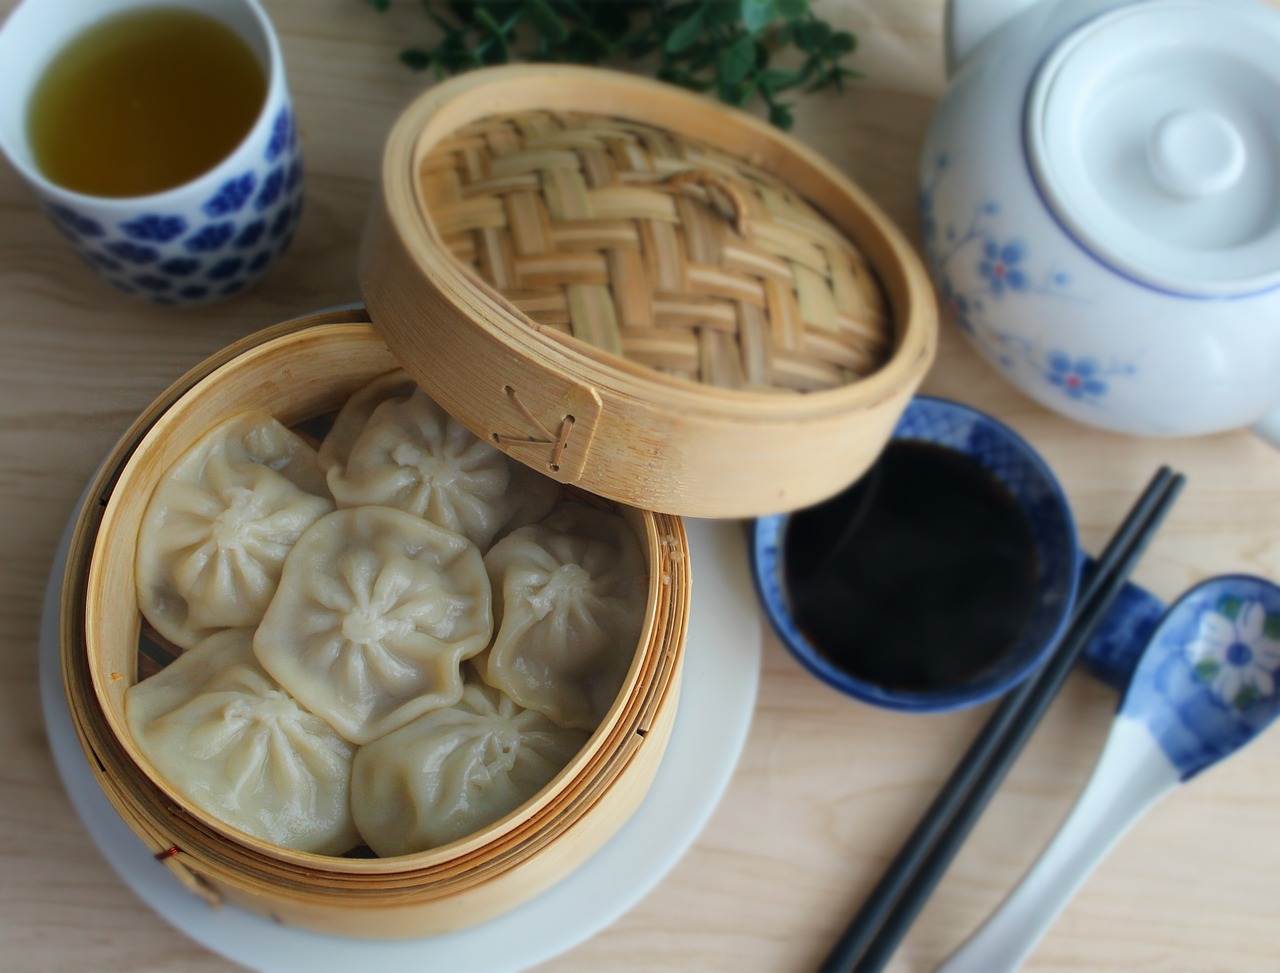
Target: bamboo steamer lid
[[640, 292]]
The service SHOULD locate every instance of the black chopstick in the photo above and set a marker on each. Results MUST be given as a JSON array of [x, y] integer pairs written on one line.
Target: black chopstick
[[893, 904]]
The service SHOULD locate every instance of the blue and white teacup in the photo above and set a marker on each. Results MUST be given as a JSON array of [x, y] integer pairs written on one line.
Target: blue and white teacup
[[201, 241], [1039, 495]]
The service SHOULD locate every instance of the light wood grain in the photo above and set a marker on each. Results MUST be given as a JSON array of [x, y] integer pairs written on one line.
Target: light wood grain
[[827, 788]]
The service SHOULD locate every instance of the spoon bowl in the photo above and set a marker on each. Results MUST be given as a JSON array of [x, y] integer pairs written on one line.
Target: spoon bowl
[[1206, 683], [1204, 687]]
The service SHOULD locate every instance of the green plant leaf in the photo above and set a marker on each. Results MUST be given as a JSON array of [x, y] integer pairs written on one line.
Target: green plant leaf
[[811, 35], [700, 56], [642, 46], [782, 117], [736, 93], [585, 46], [792, 9], [811, 67], [736, 61], [757, 14], [612, 20], [678, 75], [723, 46], [492, 54], [464, 10], [842, 43], [415, 58], [454, 56], [573, 10], [720, 13], [686, 35], [774, 80], [450, 30], [546, 22]]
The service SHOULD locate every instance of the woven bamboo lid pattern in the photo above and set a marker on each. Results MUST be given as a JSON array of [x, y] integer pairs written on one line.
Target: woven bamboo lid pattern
[[667, 252]]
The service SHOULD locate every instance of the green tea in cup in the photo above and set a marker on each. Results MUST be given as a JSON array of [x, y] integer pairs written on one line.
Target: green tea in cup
[[158, 136], [143, 101]]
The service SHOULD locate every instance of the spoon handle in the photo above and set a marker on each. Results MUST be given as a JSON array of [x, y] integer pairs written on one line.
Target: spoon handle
[[1131, 775]]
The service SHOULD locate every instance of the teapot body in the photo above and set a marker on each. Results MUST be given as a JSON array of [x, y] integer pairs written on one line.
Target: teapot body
[[1062, 323]]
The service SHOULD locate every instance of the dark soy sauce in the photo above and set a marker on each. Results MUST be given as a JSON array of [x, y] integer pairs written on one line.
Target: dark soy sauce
[[918, 577]]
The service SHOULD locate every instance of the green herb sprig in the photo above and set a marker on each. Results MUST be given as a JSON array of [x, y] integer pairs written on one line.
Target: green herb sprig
[[729, 47]]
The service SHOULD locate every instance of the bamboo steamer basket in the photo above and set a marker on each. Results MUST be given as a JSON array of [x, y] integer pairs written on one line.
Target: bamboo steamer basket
[[295, 371], [803, 415], [561, 289]]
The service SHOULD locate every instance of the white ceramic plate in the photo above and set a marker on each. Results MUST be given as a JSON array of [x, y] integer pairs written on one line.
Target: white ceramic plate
[[722, 668]]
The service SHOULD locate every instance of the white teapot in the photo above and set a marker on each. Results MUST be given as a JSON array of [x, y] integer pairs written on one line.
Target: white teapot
[[1100, 196]]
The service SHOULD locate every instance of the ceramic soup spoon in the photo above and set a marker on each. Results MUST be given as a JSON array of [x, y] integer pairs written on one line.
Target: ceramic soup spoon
[[1204, 686]]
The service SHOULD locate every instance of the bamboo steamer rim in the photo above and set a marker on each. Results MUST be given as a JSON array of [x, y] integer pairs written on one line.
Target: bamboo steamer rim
[[162, 818], [448, 106]]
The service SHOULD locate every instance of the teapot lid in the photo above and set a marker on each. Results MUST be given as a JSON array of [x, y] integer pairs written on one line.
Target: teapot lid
[[1153, 135]]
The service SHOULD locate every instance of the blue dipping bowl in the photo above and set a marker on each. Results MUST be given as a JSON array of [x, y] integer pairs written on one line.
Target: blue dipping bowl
[[1033, 485]]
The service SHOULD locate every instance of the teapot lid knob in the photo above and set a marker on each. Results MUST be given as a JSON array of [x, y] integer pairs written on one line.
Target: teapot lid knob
[[1151, 132], [1195, 153]]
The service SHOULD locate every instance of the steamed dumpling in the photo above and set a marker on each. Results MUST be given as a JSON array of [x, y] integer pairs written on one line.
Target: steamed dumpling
[[219, 524], [406, 452], [226, 737], [355, 413], [454, 771], [376, 611], [569, 599]]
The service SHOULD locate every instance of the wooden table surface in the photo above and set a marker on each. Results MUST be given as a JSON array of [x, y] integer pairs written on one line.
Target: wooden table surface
[[827, 788]]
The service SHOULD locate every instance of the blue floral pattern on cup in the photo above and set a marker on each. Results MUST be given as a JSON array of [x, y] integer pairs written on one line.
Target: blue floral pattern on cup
[[133, 253], [282, 135], [180, 266], [210, 238], [225, 269], [281, 224], [250, 234], [271, 189], [160, 255], [232, 196], [996, 266], [154, 227]]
